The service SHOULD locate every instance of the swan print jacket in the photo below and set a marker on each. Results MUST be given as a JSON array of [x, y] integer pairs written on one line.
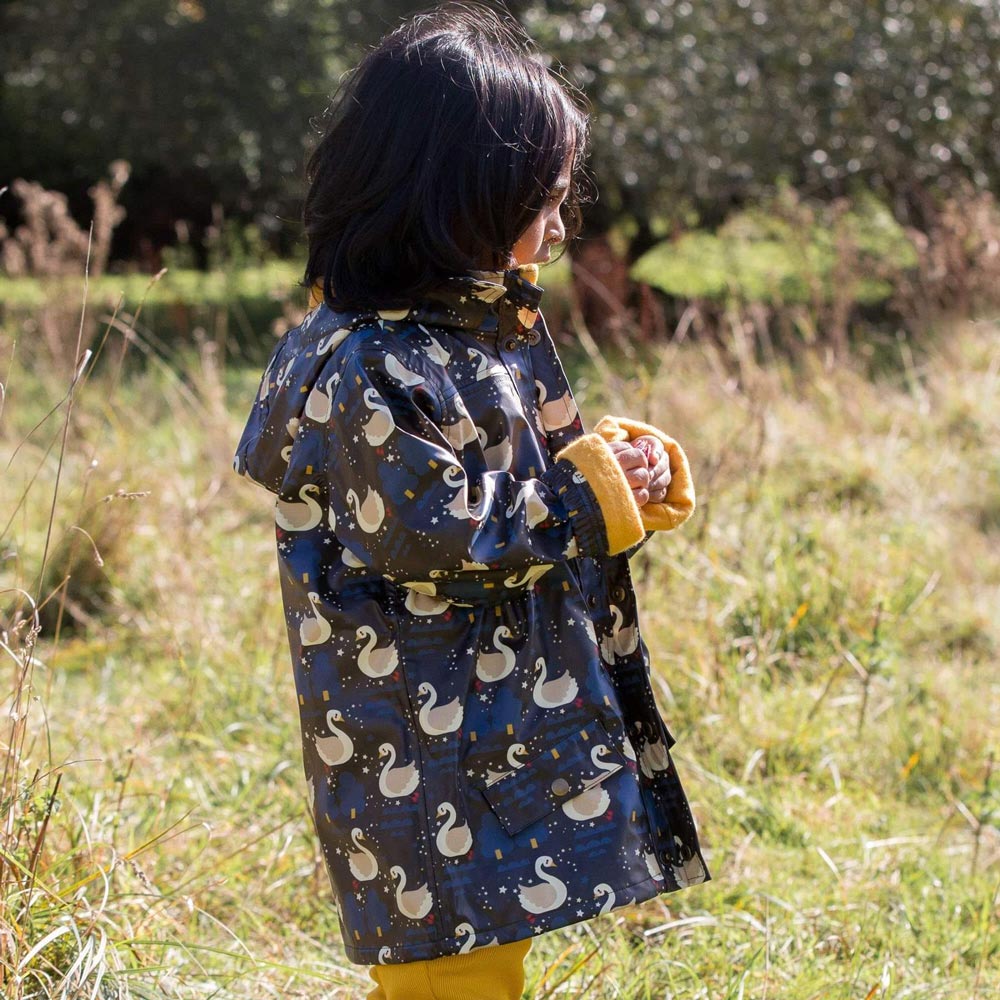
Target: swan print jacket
[[484, 756]]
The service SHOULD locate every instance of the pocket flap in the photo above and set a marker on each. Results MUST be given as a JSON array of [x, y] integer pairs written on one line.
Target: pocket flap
[[554, 776]]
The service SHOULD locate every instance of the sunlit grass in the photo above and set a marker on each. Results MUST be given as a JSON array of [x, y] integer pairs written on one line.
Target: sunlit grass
[[824, 634]]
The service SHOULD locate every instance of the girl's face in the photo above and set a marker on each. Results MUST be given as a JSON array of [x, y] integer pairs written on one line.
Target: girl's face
[[534, 245]]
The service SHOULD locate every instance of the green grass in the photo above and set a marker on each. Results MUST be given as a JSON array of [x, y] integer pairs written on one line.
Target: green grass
[[824, 633]]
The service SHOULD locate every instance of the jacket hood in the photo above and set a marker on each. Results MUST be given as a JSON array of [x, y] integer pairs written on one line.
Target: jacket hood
[[298, 375]]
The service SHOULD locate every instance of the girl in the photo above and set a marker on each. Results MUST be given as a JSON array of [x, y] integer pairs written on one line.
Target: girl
[[484, 757]]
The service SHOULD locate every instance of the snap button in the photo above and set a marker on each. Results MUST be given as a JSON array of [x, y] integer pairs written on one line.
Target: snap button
[[619, 594], [592, 600], [560, 786], [533, 337], [510, 344]]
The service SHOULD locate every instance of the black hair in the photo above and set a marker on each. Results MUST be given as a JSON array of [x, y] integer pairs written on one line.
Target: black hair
[[442, 146]]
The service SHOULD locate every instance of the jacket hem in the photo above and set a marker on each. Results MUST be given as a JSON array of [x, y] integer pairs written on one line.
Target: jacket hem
[[519, 929]]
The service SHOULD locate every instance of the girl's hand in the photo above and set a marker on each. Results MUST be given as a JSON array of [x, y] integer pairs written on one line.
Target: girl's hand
[[658, 464], [635, 465]]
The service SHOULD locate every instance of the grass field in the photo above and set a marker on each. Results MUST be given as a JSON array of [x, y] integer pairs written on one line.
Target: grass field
[[824, 632]]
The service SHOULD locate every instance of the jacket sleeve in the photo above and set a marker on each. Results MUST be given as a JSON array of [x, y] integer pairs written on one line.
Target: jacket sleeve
[[406, 508]]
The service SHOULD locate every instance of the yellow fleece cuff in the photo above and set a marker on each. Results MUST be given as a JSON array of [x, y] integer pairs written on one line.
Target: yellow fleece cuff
[[598, 465], [679, 503]]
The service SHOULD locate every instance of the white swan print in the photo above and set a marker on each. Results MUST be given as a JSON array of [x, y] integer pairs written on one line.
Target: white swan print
[[371, 513], [549, 894], [593, 801], [554, 414], [303, 516], [412, 903], [553, 693], [395, 782], [380, 425], [434, 719], [375, 661], [452, 840], [401, 373], [338, 747], [314, 629], [362, 862], [496, 665]]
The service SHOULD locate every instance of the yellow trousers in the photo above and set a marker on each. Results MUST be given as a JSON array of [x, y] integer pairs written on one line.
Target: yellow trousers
[[491, 973]]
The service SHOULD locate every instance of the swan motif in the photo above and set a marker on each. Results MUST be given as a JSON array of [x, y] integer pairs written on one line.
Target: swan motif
[[438, 354], [299, 516], [400, 372], [375, 662], [556, 413], [314, 629], [384, 954], [419, 602], [413, 903], [293, 430], [380, 425], [593, 801], [436, 720], [458, 506], [628, 750], [553, 693], [572, 550], [603, 889], [362, 862], [535, 508], [625, 639], [371, 513], [462, 431], [482, 363], [527, 317], [530, 576], [348, 558], [282, 376], [330, 342], [452, 841], [392, 315], [514, 751], [498, 456], [395, 782], [543, 896], [467, 930], [495, 666], [653, 866], [319, 404], [588, 627], [653, 757], [337, 748]]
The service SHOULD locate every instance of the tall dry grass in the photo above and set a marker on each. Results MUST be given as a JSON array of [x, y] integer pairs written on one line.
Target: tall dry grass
[[824, 636]]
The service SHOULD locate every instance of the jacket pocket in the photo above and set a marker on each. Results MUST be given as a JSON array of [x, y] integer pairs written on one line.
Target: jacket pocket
[[554, 776]]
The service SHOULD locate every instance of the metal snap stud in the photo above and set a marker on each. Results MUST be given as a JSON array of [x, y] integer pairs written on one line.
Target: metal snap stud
[[560, 786]]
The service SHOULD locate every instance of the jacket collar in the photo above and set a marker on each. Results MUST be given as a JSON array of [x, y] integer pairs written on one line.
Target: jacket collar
[[488, 301]]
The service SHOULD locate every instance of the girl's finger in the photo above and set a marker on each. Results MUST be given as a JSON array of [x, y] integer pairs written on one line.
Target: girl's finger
[[641, 496], [637, 478], [631, 458]]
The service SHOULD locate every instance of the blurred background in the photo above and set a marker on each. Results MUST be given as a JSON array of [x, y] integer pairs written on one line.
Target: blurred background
[[792, 265]]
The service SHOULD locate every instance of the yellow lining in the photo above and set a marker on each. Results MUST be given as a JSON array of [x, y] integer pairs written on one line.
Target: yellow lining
[[598, 465], [679, 503]]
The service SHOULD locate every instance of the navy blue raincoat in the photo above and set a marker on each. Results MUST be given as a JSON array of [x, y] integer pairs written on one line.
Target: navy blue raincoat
[[484, 756]]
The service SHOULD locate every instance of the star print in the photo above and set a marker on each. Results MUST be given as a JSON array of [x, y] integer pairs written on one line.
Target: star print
[[503, 888]]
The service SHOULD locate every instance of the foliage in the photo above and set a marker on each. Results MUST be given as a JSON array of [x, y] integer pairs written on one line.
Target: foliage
[[698, 107], [785, 252]]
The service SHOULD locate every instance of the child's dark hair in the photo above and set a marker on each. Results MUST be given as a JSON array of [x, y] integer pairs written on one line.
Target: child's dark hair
[[442, 146]]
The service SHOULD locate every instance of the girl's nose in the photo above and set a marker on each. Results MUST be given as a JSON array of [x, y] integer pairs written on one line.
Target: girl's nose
[[557, 229]]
